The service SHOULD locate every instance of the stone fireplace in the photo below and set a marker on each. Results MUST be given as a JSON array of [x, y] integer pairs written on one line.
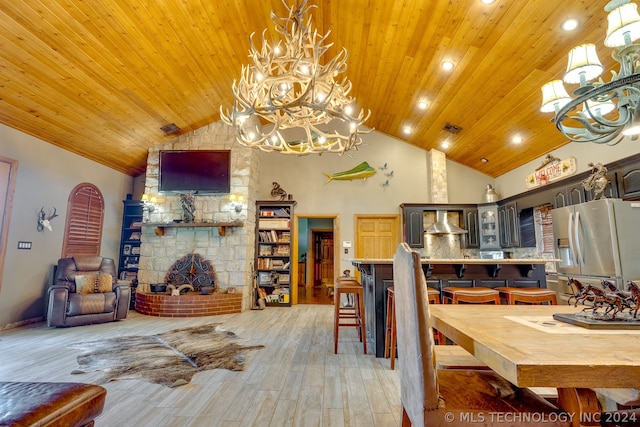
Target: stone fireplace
[[230, 250], [190, 273]]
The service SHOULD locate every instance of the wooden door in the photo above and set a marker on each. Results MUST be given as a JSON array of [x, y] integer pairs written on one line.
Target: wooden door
[[323, 257], [8, 171], [377, 236]]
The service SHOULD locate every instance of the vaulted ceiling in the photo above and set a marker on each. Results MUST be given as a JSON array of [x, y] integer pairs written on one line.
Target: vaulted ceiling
[[101, 77]]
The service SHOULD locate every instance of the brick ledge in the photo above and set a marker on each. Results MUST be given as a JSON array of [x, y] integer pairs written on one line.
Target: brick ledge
[[189, 305]]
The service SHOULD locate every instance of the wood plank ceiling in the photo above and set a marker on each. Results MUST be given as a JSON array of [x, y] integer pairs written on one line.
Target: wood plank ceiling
[[101, 77]]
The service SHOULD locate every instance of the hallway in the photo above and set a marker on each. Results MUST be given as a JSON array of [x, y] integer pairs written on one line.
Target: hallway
[[313, 295]]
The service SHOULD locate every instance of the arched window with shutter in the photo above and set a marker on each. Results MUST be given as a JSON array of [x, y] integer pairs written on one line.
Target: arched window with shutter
[[83, 229]]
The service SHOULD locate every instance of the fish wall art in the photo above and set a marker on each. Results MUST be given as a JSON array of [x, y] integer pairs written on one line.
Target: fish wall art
[[362, 171]]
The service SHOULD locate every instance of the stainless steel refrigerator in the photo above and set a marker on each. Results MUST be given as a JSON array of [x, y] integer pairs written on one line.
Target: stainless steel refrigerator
[[597, 240]]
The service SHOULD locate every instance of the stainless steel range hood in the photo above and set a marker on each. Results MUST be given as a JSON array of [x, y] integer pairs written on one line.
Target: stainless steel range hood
[[442, 226]]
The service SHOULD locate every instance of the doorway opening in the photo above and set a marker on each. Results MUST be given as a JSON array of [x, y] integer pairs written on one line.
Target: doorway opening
[[317, 253]]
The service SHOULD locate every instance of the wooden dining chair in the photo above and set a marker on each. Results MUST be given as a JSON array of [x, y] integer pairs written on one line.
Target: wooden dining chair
[[460, 397]]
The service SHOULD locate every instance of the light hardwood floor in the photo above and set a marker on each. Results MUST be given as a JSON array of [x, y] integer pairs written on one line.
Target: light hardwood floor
[[296, 380]]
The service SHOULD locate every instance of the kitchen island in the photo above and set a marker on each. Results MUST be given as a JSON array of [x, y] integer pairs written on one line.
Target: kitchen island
[[376, 276]]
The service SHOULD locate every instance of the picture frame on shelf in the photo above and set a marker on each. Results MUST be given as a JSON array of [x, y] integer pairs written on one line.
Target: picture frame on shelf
[[126, 250]]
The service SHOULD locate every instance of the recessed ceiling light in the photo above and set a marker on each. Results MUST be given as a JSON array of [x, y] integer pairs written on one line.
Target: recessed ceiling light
[[516, 139], [445, 144], [447, 65], [488, 1], [423, 105], [407, 130], [570, 24], [484, 160]]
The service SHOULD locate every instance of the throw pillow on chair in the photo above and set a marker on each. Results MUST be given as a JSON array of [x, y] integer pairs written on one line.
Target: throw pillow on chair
[[93, 283]]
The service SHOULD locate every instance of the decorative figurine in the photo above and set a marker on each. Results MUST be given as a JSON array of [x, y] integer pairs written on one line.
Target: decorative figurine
[[597, 181], [188, 207], [278, 191]]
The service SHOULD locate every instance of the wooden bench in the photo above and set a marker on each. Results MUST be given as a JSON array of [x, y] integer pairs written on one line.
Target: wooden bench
[[45, 404]]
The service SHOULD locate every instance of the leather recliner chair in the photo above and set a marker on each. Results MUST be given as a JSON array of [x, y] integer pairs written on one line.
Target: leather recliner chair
[[83, 293]]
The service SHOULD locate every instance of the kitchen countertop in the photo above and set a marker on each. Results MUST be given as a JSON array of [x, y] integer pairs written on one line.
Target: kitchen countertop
[[456, 261]]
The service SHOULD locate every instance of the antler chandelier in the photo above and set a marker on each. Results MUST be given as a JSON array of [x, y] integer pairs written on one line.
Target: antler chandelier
[[602, 112], [286, 86]]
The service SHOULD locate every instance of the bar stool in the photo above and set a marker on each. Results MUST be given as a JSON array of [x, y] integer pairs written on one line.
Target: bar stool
[[528, 295], [433, 295], [476, 295], [390, 328], [351, 314], [390, 337]]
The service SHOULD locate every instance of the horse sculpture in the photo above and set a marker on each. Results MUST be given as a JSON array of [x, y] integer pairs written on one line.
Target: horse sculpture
[[613, 303], [580, 292], [594, 298], [634, 289]]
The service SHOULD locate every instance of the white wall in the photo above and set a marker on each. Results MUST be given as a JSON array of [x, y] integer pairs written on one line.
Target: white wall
[[513, 182], [46, 176], [466, 185]]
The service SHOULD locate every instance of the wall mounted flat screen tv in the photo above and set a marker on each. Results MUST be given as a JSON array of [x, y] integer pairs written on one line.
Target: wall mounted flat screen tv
[[201, 171]]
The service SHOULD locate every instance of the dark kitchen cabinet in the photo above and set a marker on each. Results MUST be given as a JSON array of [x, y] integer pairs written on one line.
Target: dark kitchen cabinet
[[489, 227], [471, 240], [576, 194], [509, 225], [414, 226], [570, 195], [629, 182]]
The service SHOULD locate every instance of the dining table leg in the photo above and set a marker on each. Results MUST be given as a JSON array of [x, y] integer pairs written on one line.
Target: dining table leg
[[582, 404]]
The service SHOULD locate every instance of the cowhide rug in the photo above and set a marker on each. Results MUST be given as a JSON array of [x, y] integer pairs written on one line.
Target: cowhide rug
[[170, 358]]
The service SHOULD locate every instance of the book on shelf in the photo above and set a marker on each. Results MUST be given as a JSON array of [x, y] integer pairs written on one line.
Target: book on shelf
[[264, 264], [282, 250], [264, 278], [135, 235], [284, 236], [277, 264], [278, 212], [136, 224], [265, 250], [128, 275], [282, 212], [135, 250], [274, 223], [283, 279]]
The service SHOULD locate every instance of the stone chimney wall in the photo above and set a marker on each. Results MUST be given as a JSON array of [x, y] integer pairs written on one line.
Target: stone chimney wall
[[437, 170], [231, 255]]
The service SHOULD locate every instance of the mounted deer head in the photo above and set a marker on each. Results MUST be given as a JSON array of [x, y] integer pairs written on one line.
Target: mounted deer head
[[44, 220]]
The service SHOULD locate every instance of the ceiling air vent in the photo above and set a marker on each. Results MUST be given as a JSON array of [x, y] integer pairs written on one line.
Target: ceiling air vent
[[452, 128], [170, 129]]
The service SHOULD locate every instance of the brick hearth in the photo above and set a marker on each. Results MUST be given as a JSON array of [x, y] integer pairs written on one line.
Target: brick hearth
[[189, 305]]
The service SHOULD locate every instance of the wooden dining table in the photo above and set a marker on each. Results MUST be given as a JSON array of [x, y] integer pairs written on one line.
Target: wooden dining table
[[529, 348]]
